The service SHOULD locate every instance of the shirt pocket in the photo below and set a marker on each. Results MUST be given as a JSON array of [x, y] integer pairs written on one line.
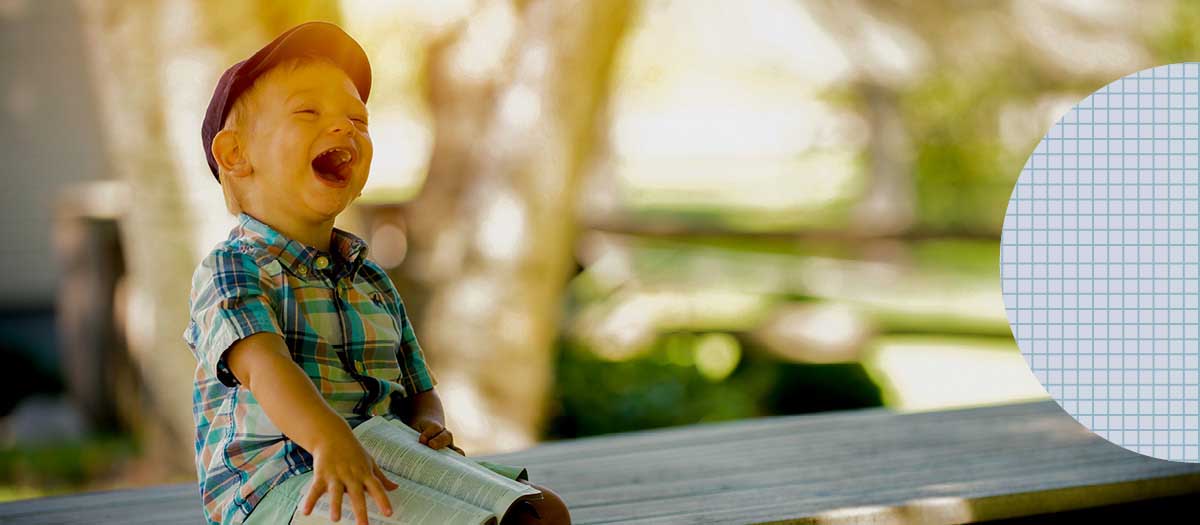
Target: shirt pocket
[[381, 341], [314, 339], [317, 355]]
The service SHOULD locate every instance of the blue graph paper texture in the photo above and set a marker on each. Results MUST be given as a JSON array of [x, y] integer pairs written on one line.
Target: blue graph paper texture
[[1099, 262]]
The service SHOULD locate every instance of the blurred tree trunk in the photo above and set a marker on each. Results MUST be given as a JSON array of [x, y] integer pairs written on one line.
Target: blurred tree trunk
[[125, 55], [491, 233], [149, 57], [888, 204]]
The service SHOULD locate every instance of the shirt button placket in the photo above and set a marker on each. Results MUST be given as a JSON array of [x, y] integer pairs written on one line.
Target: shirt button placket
[[341, 292]]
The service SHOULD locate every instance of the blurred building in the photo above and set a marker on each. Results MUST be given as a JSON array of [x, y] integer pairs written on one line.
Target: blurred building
[[49, 141]]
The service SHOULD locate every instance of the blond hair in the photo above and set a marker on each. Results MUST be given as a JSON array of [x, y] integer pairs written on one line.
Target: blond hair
[[243, 108]]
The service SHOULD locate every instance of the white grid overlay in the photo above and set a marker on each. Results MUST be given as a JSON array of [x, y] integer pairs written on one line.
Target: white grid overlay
[[1099, 262]]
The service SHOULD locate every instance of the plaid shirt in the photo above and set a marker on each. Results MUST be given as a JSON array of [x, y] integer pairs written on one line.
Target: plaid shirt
[[342, 320]]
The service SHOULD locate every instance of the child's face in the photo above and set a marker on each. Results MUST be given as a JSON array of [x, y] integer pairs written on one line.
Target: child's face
[[298, 116]]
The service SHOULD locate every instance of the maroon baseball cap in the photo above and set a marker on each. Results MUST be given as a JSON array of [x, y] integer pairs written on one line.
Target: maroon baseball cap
[[310, 38]]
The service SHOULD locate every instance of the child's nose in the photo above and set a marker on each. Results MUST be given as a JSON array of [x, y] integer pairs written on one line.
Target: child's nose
[[342, 125]]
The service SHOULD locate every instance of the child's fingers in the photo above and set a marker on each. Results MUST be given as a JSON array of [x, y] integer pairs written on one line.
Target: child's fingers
[[388, 484], [335, 513], [440, 440], [314, 493], [427, 435], [376, 489], [429, 431], [358, 503], [456, 449]]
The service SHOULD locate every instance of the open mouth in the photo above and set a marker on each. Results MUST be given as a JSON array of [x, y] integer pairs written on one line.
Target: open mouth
[[334, 164]]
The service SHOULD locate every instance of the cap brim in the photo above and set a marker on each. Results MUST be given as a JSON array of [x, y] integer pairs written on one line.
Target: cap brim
[[320, 39]]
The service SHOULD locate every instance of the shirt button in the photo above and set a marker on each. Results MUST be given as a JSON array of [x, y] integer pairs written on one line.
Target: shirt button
[[303, 270], [321, 263]]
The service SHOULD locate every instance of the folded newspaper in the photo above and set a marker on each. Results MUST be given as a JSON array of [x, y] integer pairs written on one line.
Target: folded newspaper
[[436, 486]]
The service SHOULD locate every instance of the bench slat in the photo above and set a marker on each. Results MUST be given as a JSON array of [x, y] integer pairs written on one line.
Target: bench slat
[[858, 466]]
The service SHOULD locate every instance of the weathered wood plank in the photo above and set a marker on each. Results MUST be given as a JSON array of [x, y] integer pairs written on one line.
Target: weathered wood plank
[[871, 466]]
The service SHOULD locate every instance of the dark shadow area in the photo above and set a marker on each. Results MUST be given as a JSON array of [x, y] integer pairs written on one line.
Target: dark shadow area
[[1157, 510], [27, 348]]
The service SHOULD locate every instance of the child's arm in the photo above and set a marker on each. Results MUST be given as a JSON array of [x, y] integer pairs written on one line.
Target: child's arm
[[262, 364], [423, 412]]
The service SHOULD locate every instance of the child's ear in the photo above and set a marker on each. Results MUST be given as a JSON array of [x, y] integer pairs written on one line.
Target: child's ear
[[229, 154]]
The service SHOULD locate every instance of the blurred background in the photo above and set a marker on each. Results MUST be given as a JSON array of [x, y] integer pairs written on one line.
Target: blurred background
[[603, 215]]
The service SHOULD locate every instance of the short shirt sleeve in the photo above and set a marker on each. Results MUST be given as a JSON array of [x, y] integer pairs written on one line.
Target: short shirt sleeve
[[414, 374], [230, 300]]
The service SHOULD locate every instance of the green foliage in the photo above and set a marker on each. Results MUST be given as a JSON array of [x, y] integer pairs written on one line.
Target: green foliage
[[963, 174], [1180, 42], [970, 258], [663, 388], [64, 464]]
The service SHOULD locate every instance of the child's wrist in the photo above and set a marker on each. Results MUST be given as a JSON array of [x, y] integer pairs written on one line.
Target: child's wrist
[[426, 412], [329, 431], [426, 405], [428, 418]]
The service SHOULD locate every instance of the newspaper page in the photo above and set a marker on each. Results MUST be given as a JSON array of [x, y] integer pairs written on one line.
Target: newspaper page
[[396, 448], [412, 504]]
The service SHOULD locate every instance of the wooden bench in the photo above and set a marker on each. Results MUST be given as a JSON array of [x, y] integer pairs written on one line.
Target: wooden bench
[[861, 466]]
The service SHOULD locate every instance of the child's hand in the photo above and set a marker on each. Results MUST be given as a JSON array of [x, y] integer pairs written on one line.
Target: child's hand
[[434, 434], [341, 464]]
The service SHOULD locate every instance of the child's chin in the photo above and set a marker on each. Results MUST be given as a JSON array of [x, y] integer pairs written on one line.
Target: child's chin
[[328, 202], [328, 212]]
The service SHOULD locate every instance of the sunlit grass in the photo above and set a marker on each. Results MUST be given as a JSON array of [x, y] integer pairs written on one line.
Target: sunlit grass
[[937, 287], [17, 492], [624, 326], [919, 373]]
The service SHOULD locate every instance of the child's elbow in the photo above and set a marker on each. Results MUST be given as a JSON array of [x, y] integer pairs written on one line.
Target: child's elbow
[[250, 356]]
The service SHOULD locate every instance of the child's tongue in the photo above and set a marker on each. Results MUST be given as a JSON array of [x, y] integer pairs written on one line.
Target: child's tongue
[[332, 177], [326, 168]]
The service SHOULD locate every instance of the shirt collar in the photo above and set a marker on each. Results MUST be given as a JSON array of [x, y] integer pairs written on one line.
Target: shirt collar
[[300, 258]]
